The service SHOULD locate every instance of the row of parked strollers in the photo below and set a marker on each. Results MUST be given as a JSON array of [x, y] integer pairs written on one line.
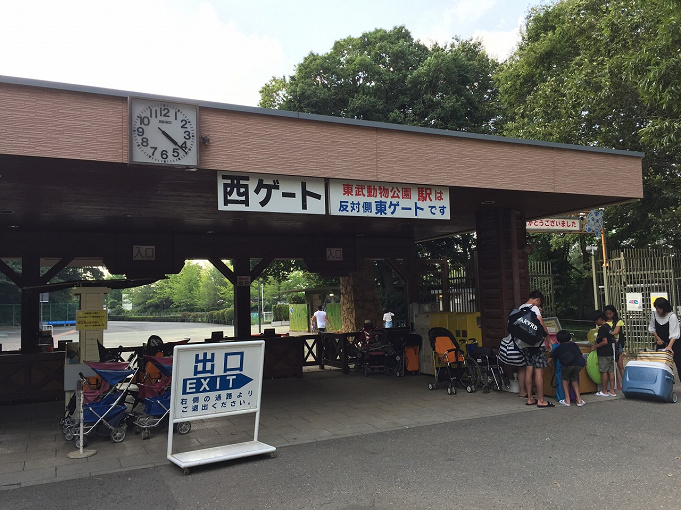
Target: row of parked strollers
[[455, 362], [133, 393]]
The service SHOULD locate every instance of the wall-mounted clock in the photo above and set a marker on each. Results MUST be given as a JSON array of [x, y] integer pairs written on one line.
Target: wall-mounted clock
[[163, 133]]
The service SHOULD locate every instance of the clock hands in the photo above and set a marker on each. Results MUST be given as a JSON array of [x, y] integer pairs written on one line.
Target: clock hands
[[172, 140]]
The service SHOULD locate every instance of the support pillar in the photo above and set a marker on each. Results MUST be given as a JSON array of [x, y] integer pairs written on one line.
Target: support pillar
[[30, 303], [242, 298], [503, 276], [359, 298]]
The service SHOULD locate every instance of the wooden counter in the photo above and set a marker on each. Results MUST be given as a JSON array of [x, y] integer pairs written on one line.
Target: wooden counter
[[586, 385]]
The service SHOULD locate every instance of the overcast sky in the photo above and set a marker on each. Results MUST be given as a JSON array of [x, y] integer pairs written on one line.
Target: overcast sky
[[221, 50]]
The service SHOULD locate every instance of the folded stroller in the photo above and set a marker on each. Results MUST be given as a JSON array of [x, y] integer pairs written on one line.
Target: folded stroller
[[450, 362], [492, 375], [104, 408], [156, 398]]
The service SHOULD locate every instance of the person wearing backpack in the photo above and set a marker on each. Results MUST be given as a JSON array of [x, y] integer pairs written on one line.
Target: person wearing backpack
[[534, 353]]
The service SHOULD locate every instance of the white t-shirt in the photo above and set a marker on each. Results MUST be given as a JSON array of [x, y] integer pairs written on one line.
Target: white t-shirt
[[388, 317], [320, 317]]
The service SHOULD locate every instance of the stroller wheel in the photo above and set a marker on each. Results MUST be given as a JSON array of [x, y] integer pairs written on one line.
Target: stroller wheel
[[146, 434], [432, 386], [486, 388], [183, 427], [449, 389], [118, 434], [77, 443], [68, 435], [469, 389], [673, 398]]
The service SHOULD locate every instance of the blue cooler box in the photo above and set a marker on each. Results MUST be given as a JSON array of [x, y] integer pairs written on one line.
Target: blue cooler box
[[649, 379]]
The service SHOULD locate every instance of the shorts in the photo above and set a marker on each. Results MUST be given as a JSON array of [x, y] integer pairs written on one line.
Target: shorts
[[570, 373], [534, 357], [606, 364]]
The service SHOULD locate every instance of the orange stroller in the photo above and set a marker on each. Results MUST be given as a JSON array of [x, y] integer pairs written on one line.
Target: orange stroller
[[450, 362]]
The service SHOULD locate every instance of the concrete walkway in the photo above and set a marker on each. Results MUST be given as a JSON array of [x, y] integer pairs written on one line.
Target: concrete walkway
[[321, 405]]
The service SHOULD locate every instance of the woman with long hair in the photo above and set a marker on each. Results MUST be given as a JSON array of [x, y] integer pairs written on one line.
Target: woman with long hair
[[617, 330]]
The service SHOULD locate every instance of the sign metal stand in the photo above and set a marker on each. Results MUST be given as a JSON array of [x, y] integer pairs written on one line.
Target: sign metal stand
[[214, 381]]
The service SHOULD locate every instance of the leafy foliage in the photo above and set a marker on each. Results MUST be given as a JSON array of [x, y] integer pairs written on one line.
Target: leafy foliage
[[386, 76], [606, 74]]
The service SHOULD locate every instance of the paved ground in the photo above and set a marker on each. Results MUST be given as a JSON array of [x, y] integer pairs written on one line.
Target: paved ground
[[349, 443], [132, 334]]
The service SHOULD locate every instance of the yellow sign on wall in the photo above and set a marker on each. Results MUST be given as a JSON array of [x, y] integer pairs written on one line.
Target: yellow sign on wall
[[90, 319]]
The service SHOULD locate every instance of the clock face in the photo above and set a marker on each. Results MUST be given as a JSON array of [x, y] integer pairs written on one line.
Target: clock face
[[163, 133]]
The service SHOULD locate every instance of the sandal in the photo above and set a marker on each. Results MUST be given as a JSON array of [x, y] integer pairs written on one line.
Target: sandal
[[531, 404], [548, 404]]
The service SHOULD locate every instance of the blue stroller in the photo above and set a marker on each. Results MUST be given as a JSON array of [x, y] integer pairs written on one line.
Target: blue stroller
[[104, 408], [156, 398]]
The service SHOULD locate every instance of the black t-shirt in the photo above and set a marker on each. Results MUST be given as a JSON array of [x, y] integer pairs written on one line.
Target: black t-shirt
[[569, 355], [604, 351]]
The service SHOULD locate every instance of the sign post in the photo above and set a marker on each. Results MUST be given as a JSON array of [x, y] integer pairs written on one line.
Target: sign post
[[213, 381]]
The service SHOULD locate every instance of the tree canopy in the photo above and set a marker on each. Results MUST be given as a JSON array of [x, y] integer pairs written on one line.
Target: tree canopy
[[387, 76], [606, 74]]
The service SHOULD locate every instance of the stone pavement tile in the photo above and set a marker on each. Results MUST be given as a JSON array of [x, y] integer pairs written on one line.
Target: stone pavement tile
[[42, 448], [9, 467], [103, 466], [144, 459], [273, 440], [224, 439], [351, 429], [46, 462], [12, 448], [29, 477]]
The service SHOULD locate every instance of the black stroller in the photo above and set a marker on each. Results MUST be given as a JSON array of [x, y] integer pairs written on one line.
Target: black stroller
[[376, 354], [451, 363], [492, 374]]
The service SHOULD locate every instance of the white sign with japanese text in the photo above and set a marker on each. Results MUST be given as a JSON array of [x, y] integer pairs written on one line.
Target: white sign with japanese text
[[270, 193], [554, 225], [388, 200], [211, 381], [216, 378]]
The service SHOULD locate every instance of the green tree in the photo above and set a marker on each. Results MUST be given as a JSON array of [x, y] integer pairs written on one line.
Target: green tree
[[604, 73], [386, 76]]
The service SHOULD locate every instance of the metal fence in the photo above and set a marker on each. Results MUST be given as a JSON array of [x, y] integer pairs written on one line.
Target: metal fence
[[10, 314], [631, 272], [541, 278]]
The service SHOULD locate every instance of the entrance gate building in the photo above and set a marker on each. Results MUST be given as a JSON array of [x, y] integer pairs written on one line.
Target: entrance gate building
[[71, 192]]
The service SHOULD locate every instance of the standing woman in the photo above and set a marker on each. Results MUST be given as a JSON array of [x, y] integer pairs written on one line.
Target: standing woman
[[664, 325], [617, 330]]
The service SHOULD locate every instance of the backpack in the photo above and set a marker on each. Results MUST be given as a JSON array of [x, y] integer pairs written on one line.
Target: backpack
[[524, 326]]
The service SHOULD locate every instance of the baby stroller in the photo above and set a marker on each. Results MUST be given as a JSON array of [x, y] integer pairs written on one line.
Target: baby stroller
[[156, 398], [376, 354], [492, 374], [104, 408], [450, 362]]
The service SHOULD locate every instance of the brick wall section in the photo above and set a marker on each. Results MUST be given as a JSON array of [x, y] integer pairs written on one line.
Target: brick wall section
[[56, 123]]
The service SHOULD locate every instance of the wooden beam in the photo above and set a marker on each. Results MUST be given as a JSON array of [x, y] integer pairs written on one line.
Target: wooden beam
[[9, 273], [55, 269], [224, 269]]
